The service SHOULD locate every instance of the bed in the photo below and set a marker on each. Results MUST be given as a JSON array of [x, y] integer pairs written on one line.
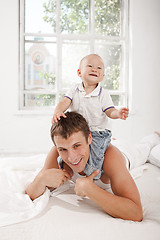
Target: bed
[[61, 215]]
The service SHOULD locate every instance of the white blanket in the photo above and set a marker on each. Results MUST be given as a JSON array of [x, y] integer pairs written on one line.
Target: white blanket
[[16, 206]]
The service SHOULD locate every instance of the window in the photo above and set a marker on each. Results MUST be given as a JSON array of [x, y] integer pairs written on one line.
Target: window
[[56, 34]]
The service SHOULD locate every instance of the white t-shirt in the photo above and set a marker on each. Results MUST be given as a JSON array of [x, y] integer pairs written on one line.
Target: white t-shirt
[[91, 106]]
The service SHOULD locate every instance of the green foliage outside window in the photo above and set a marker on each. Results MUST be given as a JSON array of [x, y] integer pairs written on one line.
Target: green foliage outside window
[[74, 15], [46, 99], [49, 77], [74, 18]]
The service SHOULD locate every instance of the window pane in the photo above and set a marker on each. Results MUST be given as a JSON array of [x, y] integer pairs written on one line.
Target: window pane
[[107, 17], [111, 55], [72, 53], [61, 96], [40, 65], [80, 27], [39, 100], [118, 100], [38, 18], [74, 16], [40, 39]]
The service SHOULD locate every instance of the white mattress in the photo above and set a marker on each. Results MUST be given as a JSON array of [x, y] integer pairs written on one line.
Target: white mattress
[[67, 216]]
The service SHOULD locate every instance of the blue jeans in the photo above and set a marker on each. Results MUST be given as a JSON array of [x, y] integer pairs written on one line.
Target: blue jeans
[[100, 142]]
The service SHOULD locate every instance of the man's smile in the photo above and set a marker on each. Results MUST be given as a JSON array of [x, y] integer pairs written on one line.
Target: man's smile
[[76, 162]]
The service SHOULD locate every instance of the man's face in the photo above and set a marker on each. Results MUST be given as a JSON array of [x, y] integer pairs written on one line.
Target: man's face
[[74, 150]]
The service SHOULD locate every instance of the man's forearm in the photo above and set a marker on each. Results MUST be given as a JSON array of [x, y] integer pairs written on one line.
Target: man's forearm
[[114, 205], [36, 188], [51, 178]]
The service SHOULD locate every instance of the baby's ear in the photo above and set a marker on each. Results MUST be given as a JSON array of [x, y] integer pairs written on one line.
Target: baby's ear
[[79, 72]]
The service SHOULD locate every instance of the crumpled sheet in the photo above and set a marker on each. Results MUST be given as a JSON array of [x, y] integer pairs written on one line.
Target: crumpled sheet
[[15, 205], [15, 175]]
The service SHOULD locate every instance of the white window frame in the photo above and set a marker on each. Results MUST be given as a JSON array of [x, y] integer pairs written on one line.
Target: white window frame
[[91, 37]]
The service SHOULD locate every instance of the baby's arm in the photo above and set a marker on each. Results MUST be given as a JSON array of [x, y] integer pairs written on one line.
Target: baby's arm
[[115, 113], [62, 106]]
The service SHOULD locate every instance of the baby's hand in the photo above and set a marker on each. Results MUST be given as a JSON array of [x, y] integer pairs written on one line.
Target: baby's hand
[[57, 116], [123, 113]]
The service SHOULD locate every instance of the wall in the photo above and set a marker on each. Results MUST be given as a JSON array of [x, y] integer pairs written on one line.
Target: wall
[[144, 72], [30, 133]]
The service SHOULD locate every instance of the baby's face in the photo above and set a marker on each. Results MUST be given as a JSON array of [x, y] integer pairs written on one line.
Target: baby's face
[[91, 69]]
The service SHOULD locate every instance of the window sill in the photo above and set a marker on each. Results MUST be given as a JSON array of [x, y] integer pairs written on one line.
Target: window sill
[[41, 112], [49, 112]]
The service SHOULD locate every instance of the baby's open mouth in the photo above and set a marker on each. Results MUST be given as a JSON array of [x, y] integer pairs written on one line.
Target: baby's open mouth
[[93, 74]]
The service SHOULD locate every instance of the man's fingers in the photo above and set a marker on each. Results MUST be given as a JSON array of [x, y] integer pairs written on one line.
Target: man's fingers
[[94, 174], [66, 174]]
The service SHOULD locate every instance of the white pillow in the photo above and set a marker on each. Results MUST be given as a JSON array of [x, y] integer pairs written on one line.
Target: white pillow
[[154, 156]]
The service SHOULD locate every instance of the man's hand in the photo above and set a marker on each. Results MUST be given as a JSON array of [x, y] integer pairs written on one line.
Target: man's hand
[[123, 113], [54, 178], [68, 169], [82, 184]]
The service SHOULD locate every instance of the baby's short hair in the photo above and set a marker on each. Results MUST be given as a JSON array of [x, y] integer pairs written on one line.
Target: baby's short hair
[[92, 54]]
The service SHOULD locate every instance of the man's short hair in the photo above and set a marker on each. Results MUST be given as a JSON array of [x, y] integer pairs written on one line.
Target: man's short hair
[[65, 127]]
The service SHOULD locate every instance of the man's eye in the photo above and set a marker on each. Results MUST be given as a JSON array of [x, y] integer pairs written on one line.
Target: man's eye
[[89, 65], [62, 149], [77, 145], [99, 67]]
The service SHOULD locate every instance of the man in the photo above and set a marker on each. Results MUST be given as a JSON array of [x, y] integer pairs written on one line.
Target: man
[[72, 138]]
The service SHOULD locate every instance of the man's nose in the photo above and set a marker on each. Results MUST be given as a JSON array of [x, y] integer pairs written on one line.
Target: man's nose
[[72, 156]]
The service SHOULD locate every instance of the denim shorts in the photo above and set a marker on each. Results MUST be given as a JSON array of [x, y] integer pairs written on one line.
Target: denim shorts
[[100, 142]]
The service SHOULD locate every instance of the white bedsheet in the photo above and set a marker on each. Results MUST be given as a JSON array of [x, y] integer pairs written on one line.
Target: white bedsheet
[[66, 215], [15, 205]]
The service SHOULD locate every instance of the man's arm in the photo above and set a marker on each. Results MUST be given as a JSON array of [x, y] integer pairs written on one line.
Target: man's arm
[[125, 202], [50, 176]]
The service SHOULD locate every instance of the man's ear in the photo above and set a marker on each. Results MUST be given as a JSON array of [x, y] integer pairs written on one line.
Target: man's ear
[[90, 138], [79, 72]]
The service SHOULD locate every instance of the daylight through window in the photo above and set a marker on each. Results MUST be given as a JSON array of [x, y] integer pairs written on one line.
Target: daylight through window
[[56, 34]]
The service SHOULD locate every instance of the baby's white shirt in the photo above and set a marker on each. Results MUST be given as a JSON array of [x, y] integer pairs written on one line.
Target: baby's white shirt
[[91, 106]]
